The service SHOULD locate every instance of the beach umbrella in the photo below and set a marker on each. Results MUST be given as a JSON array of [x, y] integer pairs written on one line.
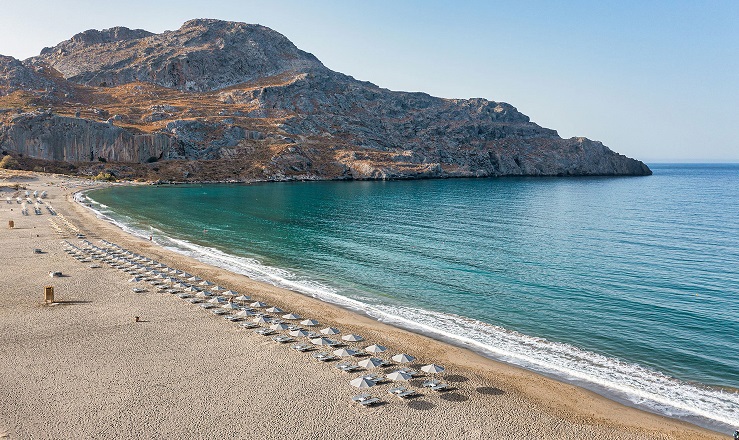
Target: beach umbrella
[[352, 338], [230, 306], [309, 322], [398, 375], [232, 293], [205, 283], [279, 326], [321, 341], [403, 358], [375, 349], [292, 316], [432, 368], [192, 289], [370, 363], [299, 333], [194, 279], [275, 310], [261, 320], [343, 352], [217, 300], [199, 294], [362, 382], [134, 280], [330, 331], [242, 298], [217, 288], [245, 313], [258, 304]]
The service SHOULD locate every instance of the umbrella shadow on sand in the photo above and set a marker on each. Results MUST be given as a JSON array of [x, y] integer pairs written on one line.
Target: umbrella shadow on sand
[[491, 391], [454, 397], [379, 404], [455, 378], [420, 405]]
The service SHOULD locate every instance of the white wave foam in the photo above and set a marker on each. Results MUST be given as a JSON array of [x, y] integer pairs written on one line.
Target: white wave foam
[[628, 382]]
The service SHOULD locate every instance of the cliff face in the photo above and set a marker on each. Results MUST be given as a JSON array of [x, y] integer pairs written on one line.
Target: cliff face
[[51, 137], [244, 98]]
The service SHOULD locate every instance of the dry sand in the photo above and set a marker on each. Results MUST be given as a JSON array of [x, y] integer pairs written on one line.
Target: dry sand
[[84, 369]]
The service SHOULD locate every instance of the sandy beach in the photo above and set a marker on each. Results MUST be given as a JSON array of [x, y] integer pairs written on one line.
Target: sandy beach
[[83, 368]]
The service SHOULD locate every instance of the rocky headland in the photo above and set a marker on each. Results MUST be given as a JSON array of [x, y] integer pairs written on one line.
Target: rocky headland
[[217, 100]]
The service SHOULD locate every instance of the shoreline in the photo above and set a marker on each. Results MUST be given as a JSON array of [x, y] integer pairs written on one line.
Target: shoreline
[[366, 311], [379, 316], [576, 412], [648, 401]]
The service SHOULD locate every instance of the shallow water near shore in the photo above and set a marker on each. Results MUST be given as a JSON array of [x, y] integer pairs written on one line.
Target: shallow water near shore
[[627, 286]]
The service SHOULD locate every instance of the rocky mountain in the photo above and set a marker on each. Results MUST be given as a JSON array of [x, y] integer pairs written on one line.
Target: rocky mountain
[[218, 100], [17, 76], [202, 55]]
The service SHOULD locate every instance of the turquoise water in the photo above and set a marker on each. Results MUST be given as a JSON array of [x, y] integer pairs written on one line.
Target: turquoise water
[[627, 286]]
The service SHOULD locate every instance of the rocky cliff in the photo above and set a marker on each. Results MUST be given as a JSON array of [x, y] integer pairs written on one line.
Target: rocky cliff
[[51, 137], [242, 102]]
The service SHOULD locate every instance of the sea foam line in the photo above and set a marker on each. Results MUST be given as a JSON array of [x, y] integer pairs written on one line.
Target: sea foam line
[[628, 382]]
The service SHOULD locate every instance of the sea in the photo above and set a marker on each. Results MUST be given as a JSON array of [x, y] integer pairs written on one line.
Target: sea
[[627, 286]]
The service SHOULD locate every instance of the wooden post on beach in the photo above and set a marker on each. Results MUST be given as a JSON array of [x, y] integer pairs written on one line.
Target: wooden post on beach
[[11, 224], [49, 294]]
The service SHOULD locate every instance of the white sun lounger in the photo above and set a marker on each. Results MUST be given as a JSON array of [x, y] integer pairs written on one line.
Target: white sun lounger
[[283, 339], [347, 367], [324, 357], [365, 400], [402, 392], [302, 347]]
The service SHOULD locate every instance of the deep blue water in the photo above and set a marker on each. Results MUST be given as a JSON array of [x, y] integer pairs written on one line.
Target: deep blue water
[[629, 286]]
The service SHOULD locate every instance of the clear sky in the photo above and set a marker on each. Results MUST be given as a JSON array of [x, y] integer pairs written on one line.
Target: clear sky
[[654, 80]]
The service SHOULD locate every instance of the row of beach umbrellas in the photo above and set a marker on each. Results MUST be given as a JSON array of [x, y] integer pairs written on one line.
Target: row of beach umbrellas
[[115, 254], [367, 381]]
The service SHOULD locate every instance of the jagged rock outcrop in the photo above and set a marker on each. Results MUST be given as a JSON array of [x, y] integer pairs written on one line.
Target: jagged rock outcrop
[[243, 98], [15, 76], [202, 55]]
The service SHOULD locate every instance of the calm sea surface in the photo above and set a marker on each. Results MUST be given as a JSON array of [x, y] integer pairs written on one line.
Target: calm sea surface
[[627, 286]]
